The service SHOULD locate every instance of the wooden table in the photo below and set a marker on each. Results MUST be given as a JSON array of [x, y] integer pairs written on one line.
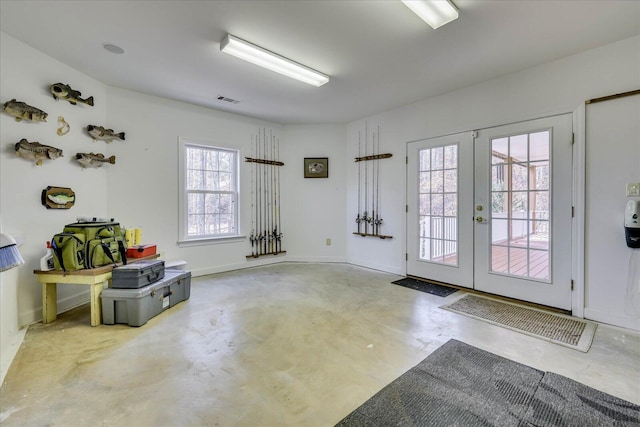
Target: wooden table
[[96, 278]]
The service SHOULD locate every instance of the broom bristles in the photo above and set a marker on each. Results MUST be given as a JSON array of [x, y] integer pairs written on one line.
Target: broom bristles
[[10, 257]]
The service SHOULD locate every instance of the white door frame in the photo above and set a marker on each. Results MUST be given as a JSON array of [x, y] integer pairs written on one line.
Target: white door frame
[[578, 196]]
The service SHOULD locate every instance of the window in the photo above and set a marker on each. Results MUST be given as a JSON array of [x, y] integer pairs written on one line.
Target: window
[[209, 191], [438, 204]]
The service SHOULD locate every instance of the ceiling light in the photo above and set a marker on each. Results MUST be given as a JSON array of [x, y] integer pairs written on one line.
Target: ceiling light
[[271, 61], [434, 12]]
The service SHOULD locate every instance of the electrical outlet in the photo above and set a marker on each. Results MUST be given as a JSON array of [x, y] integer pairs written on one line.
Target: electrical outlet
[[633, 189], [328, 242]]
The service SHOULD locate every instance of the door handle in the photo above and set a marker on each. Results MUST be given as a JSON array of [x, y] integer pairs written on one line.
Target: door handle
[[480, 219]]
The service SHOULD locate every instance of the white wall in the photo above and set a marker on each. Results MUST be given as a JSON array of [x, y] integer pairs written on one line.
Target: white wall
[[613, 144], [143, 187], [26, 74], [316, 206], [559, 86]]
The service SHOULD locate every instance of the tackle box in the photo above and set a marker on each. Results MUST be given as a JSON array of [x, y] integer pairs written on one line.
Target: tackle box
[[137, 274], [136, 306], [141, 251]]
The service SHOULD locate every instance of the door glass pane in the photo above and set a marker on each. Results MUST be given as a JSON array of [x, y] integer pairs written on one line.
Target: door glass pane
[[520, 205], [438, 199]]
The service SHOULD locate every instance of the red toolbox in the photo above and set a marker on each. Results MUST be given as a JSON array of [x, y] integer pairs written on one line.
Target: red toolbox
[[141, 251]]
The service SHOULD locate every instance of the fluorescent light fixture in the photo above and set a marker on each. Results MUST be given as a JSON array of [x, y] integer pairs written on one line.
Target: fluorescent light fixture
[[436, 13], [271, 61]]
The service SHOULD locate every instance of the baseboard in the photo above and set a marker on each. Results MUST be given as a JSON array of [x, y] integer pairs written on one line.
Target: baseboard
[[612, 319], [251, 262], [263, 260], [379, 267], [9, 351], [311, 259]]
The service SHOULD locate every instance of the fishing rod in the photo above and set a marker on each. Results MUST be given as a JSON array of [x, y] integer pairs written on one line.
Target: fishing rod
[[358, 218], [264, 207], [274, 207], [253, 222], [259, 191], [278, 224], [271, 196], [378, 220], [365, 217], [373, 184]]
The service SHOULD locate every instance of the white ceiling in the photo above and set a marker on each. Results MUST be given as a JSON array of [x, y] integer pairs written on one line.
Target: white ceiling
[[378, 53]]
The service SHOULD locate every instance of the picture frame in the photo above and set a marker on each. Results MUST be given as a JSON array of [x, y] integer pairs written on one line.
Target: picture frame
[[316, 167]]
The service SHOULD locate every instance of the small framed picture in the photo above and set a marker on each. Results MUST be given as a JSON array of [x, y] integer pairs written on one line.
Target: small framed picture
[[316, 167]]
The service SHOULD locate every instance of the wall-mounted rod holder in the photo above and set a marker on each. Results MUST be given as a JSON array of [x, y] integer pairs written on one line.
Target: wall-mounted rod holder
[[373, 157], [264, 161], [264, 254], [266, 227], [368, 220], [381, 236]]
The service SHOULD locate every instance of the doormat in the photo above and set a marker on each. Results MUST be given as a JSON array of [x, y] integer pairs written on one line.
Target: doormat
[[422, 286], [461, 385], [556, 328]]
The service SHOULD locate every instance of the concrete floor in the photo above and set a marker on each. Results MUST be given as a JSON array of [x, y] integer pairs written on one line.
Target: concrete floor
[[283, 345]]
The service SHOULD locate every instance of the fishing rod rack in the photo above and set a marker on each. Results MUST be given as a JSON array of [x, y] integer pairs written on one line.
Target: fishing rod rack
[[266, 227], [369, 222]]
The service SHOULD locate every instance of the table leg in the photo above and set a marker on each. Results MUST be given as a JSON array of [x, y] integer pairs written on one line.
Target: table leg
[[49, 302], [96, 303]]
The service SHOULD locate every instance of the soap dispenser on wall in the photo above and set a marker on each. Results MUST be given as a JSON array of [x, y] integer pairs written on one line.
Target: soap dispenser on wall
[[632, 223], [632, 232]]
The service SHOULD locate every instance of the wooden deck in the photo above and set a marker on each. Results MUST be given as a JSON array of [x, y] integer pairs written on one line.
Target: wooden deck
[[514, 260]]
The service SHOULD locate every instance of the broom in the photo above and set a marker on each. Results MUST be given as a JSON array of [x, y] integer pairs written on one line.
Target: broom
[[9, 254]]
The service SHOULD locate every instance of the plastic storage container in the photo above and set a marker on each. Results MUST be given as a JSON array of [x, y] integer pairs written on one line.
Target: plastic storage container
[[136, 306], [138, 274]]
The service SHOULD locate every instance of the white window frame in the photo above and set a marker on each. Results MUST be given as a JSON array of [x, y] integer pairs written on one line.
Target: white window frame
[[183, 237]]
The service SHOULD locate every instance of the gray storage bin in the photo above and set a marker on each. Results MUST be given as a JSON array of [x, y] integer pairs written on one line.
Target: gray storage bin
[[136, 306], [137, 274]]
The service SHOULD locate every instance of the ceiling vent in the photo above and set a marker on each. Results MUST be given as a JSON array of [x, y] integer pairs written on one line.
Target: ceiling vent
[[224, 98]]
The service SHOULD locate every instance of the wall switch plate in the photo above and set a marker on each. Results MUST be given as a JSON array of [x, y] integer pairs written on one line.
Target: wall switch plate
[[328, 242], [633, 189]]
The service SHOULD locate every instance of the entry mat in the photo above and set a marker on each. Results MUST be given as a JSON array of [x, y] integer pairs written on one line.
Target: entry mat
[[557, 328], [422, 286], [461, 385]]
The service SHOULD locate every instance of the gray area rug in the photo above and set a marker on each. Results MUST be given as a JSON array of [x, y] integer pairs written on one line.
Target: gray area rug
[[461, 385], [557, 328]]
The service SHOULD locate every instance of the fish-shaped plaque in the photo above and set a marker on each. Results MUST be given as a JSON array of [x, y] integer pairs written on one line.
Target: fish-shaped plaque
[[65, 92], [36, 151], [94, 160], [103, 134], [58, 197], [21, 110]]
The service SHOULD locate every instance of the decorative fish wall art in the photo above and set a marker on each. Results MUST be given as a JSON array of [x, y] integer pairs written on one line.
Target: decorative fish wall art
[[58, 197], [21, 110], [65, 92], [94, 160], [100, 133], [36, 151]]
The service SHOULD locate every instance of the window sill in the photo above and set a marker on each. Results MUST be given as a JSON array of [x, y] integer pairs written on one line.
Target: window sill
[[210, 241]]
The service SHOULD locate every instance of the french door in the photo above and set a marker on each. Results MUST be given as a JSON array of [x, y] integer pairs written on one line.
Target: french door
[[491, 210]]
